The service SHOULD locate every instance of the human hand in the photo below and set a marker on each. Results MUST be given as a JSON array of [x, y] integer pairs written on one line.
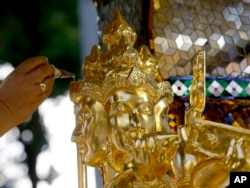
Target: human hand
[[21, 93]]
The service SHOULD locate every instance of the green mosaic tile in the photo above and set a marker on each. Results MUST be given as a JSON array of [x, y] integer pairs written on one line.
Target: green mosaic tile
[[242, 86]]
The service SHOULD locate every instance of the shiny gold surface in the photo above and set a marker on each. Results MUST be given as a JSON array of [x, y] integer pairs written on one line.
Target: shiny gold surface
[[122, 111]]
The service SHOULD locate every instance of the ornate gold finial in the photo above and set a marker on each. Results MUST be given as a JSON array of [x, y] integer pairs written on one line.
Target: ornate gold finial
[[94, 74], [93, 65], [116, 29], [148, 63], [120, 66]]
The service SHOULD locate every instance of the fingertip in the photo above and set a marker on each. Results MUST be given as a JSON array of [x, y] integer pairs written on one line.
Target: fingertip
[[33, 62], [46, 59], [41, 59]]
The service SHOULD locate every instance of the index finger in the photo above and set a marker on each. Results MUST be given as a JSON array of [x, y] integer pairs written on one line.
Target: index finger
[[31, 63]]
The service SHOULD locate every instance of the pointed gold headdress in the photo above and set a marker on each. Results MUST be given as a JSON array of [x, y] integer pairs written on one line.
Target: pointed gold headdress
[[121, 66]]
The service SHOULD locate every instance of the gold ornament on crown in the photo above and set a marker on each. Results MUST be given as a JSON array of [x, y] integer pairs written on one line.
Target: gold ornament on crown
[[121, 109], [120, 66]]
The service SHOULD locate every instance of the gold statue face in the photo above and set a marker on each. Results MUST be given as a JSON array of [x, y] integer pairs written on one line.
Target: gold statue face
[[91, 131], [131, 115]]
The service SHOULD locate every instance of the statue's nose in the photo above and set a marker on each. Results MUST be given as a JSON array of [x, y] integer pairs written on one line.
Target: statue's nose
[[138, 127], [135, 119], [77, 134]]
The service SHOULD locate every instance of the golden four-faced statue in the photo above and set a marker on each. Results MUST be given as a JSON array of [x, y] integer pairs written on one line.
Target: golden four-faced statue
[[121, 109]]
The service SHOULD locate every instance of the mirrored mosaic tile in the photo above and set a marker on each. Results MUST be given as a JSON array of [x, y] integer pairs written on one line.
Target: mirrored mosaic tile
[[234, 88], [247, 89], [221, 28], [215, 87], [179, 88]]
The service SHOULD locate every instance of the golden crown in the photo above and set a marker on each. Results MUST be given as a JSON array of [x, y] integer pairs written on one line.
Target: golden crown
[[121, 66]]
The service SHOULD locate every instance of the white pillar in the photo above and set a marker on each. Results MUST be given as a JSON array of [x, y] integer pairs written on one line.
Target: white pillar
[[88, 37], [88, 26]]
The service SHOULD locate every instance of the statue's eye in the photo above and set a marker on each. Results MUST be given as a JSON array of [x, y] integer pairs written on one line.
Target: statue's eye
[[87, 116], [146, 109], [118, 109], [121, 108], [83, 117]]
